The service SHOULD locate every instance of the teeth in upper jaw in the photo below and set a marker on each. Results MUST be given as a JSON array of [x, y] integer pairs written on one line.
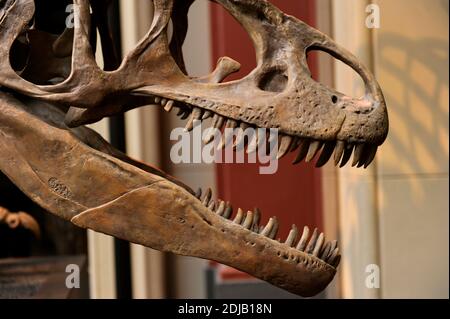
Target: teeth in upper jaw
[[240, 138], [347, 155], [228, 212], [295, 144], [253, 143], [340, 147], [303, 151], [157, 100], [169, 106], [326, 154], [313, 150], [217, 123], [163, 102], [290, 241], [285, 146], [196, 116], [325, 251], [227, 138], [371, 155], [207, 115], [357, 154]]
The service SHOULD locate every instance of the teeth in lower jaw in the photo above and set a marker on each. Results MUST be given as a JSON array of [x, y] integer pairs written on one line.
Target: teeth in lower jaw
[[198, 193], [312, 242], [303, 240], [318, 245], [256, 220], [325, 251], [239, 217], [357, 154], [212, 205], [266, 230], [290, 241], [333, 259], [221, 209], [207, 197], [248, 221], [274, 231], [285, 146], [228, 212]]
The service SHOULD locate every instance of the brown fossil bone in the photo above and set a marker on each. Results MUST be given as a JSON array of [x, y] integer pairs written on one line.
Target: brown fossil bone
[[72, 172]]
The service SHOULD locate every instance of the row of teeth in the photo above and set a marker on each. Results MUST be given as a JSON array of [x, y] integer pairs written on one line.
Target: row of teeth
[[308, 149], [314, 245]]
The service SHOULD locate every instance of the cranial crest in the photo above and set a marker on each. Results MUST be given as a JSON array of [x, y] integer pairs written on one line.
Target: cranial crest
[[51, 86]]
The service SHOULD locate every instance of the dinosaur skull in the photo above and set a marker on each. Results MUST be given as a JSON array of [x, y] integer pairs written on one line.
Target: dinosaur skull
[[72, 172]]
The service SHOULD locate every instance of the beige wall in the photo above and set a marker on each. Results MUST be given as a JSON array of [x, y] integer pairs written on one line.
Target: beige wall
[[412, 66], [395, 214]]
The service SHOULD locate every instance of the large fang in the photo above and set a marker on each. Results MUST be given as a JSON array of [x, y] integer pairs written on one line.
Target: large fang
[[340, 147], [370, 158], [347, 154]]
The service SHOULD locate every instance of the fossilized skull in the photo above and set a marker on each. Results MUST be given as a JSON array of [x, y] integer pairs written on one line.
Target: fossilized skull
[[72, 172]]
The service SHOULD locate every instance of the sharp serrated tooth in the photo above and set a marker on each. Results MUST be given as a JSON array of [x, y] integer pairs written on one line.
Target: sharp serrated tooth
[[256, 220], [195, 116], [325, 251], [359, 149], [207, 197], [186, 114], [218, 121], [248, 222], [313, 150], [312, 242], [364, 156], [304, 239], [285, 145], [295, 144], [212, 205], [221, 209], [290, 241], [340, 147], [267, 230], [198, 193], [274, 231], [239, 217], [240, 138], [326, 154], [303, 151], [207, 115], [347, 154], [169, 106], [318, 245], [227, 137], [371, 156]]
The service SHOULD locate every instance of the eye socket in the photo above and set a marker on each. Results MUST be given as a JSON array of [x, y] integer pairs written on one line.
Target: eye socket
[[274, 80], [334, 99]]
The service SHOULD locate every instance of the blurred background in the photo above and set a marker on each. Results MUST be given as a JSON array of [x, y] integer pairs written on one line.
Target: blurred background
[[391, 219]]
